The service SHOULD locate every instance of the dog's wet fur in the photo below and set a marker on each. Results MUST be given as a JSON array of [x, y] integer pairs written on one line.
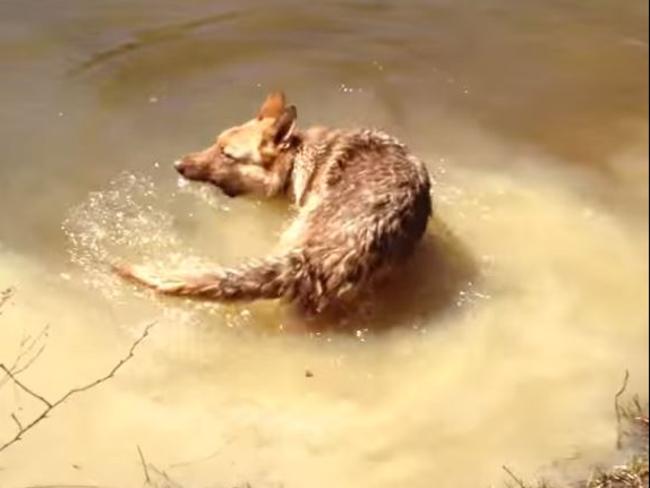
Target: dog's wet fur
[[362, 199]]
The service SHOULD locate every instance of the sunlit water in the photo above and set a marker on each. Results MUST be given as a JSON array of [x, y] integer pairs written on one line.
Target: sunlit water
[[502, 341]]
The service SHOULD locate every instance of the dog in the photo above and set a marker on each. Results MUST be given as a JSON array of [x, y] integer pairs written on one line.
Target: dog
[[362, 199]]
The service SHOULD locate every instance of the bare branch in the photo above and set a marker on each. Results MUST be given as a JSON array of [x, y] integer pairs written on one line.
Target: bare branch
[[27, 344], [618, 410], [520, 483], [20, 426], [17, 371], [52, 405], [31, 343], [168, 482], [147, 480], [23, 387], [112, 372]]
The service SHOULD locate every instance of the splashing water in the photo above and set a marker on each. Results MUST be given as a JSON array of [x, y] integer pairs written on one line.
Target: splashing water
[[127, 222]]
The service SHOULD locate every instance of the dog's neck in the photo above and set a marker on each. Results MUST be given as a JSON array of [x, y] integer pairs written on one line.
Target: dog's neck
[[283, 165], [299, 171], [301, 161]]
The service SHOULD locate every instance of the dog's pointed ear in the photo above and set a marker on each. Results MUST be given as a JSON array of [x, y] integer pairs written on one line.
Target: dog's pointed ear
[[284, 126], [273, 106]]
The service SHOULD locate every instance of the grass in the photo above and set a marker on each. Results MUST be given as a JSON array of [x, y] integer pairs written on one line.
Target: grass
[[634, 472]]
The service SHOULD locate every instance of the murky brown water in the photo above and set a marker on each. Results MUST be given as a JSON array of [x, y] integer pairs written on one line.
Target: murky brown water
[[503, 343]]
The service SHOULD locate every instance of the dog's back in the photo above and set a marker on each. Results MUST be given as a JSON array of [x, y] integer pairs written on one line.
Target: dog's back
[[364, 204]]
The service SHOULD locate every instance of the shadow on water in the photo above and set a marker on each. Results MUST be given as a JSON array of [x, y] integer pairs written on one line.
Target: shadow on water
[[431, 283]]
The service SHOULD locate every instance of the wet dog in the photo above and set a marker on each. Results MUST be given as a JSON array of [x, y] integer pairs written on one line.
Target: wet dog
[[363, 202]]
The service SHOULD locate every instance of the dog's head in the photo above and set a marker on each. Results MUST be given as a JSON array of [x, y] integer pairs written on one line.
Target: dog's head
[[244, 150]]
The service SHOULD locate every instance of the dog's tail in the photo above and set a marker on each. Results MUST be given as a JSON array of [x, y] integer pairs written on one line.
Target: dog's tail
[[272, 277]]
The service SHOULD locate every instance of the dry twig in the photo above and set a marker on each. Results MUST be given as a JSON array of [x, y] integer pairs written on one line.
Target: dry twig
[[516, 479], [147, 479], [49, 406], [27, 344], [618, 410], [164, 480]]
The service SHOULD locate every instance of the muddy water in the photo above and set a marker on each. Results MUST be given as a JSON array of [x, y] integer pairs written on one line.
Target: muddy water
[[502, 342]]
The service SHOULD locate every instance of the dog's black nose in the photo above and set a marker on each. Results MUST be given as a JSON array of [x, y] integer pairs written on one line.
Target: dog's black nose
[[178, 165]]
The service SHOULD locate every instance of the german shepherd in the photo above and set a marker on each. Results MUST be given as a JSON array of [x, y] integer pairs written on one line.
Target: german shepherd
[[362, 199]]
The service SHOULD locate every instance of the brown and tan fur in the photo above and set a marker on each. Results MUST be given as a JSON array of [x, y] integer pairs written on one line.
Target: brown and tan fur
[[362, 204]]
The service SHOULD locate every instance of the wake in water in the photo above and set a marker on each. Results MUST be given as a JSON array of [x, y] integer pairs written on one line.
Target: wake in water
[[136, 220], [128, 221]]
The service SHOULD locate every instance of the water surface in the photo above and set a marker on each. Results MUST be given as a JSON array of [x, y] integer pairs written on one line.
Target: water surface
[[505, 337]]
